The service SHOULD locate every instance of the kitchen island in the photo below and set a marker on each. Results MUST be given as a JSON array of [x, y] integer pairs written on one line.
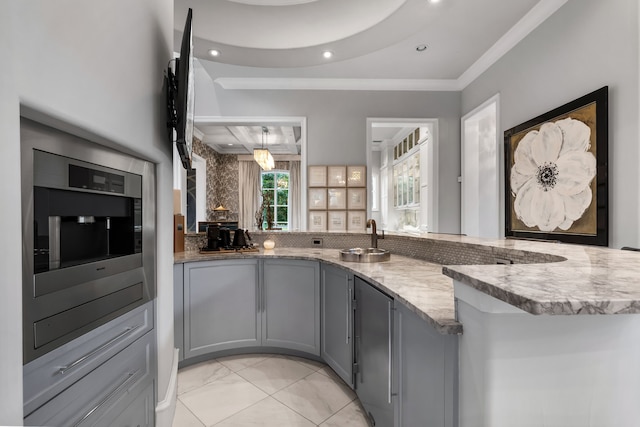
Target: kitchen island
[[552, 339]]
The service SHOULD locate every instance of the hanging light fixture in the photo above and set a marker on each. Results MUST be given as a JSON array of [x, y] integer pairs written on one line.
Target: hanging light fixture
[[262, 155]]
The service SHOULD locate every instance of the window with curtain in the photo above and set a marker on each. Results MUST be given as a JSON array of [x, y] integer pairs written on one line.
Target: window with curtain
[[275, 186]]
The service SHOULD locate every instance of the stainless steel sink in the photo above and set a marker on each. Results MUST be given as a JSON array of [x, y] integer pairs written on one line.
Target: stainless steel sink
[[364, 255]]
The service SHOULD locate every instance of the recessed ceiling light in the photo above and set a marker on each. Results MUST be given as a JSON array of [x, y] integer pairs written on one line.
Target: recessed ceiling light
[[229, 144], [327, 54], [434, 1], [214, 52], [421, 47]]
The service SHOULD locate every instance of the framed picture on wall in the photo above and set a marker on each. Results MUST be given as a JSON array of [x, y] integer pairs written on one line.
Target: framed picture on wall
[[356, 176], [317, 221], [317, 198], [556, 174], [317, 176], [356, 198], [336, 198], [356, 221], [337, 221], [336, 176]]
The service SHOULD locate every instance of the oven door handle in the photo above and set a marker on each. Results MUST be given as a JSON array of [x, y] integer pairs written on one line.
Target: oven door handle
[[129, 330]]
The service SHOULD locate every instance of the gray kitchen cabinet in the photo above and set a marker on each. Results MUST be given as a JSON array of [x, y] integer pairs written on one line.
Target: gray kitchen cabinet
[[426, 364], [138, 413], [54, 376], [220, 306], [290, 305], [178, 309], [336, 293], [106, 392], [374, 316]]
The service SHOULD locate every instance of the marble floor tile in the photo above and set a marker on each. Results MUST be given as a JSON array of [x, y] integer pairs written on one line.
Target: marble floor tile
[[316, 397], [311, 364], [194, 376], [267, 412], [222, 398], [351, 415], [274, 373], [241, 361], [184, 417]]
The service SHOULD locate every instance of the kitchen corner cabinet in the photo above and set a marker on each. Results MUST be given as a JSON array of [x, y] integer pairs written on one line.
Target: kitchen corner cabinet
[[291, 305], [374, 353], [232, 304], [425, 364], [336, 289], [220, 306]]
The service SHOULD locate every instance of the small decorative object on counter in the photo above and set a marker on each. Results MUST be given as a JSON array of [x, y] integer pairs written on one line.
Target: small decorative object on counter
[[269, 244]]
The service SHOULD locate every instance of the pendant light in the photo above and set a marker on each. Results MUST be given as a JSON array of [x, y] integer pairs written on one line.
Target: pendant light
[[262, 155]]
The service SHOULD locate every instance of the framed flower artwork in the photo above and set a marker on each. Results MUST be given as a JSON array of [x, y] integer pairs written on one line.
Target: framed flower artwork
[[556, 174]]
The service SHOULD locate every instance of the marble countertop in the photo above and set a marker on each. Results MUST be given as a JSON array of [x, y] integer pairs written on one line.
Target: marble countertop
[[590, 280], [417, 284], [584, 280]]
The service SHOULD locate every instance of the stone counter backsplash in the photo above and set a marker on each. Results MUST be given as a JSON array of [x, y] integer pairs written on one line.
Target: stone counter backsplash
[[441, 252]]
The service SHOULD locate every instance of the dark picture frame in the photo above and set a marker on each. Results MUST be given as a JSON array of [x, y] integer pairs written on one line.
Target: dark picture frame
[[547, 199]]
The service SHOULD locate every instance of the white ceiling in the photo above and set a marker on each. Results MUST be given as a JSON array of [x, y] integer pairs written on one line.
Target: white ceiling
[[278, 44]]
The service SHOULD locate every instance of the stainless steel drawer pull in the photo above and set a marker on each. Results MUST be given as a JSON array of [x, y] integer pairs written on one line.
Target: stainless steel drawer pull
[[108, 397], [348, 312], [92, 353]]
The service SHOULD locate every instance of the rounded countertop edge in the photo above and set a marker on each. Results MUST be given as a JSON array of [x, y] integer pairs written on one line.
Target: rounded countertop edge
[[444, 325]]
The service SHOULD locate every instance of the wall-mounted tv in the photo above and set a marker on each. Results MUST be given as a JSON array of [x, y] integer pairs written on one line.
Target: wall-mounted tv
[[181, 96]]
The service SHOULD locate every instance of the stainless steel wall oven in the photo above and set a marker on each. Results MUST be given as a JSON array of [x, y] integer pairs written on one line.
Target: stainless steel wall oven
[[88, 236]]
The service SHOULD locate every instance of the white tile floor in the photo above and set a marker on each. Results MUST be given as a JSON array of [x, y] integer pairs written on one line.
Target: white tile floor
[[264, 390]]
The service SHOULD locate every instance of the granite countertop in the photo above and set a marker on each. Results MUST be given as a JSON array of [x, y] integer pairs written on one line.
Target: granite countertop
[[591, 280], [418, 284], [583, 280]]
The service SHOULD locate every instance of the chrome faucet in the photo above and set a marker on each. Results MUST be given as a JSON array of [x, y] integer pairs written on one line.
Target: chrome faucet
[[374, 233]]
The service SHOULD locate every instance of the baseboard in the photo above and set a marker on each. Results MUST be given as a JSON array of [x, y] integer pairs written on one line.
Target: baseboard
[[166, 408]]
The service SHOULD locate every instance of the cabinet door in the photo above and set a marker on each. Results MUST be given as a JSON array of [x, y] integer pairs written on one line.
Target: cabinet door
[[337, 321], [291, 305], [220, 306], [426, 362], [374, 347]]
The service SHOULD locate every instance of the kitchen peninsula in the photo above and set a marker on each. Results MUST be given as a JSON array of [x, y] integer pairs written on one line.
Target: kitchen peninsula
[[549, 336]]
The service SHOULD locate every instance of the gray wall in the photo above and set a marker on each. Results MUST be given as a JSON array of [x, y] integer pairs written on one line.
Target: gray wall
[[67, 60], [336, 126], [585, 45]]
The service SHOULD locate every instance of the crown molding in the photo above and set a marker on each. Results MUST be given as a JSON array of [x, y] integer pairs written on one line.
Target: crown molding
[[536, 16], [336, 84]]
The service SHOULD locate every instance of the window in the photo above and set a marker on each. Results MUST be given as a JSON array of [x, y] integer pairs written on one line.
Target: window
[[275, 192]]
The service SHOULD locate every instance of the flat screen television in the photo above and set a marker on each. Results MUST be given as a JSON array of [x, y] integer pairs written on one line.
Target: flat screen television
[[181, 96]]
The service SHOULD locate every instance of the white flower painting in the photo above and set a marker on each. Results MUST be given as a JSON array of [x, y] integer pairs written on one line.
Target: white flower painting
[[552, 174]]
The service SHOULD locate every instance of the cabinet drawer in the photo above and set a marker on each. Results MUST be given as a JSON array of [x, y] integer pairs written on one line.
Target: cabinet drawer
[[124, 375], [139, 413], [52, 373]]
